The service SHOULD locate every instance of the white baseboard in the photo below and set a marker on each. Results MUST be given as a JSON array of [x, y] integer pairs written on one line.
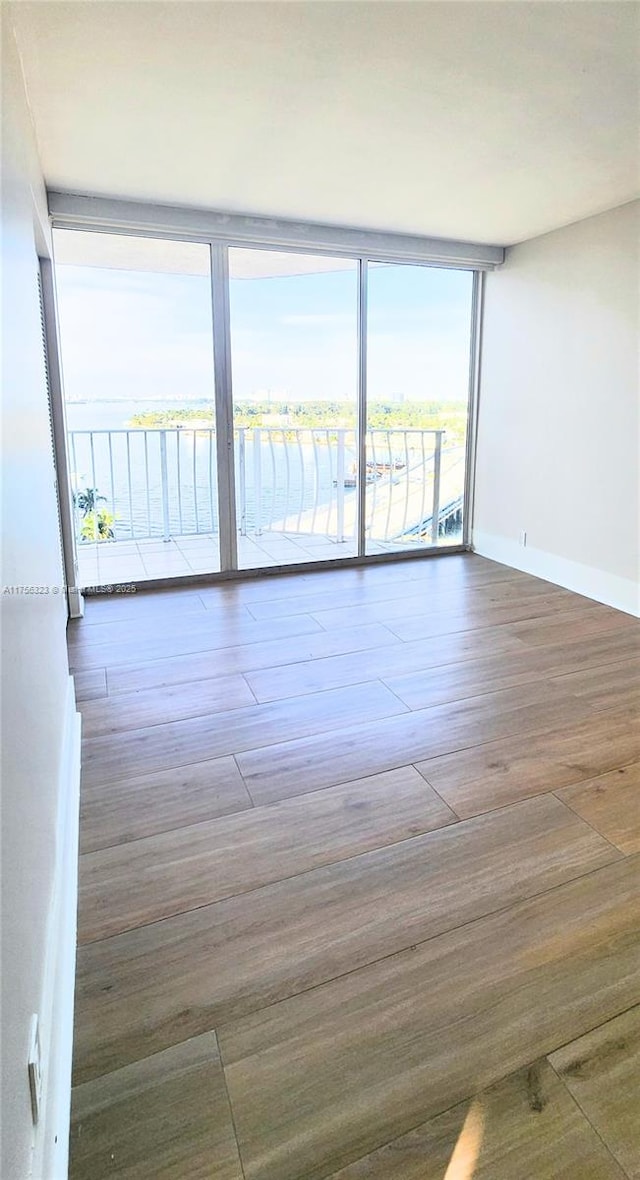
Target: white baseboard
[[51, 1146], [621, 593]]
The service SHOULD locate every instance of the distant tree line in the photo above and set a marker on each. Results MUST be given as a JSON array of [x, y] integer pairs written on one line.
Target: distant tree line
[[432, 415]]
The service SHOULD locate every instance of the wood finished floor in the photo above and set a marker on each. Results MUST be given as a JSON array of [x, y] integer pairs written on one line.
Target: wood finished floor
[[359, 878]]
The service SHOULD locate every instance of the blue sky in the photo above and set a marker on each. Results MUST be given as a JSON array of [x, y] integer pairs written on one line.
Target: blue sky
[[144, 335]]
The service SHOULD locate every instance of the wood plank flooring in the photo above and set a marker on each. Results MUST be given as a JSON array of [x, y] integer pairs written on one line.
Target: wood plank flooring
[[602, 1071], [528, 1117], [359, 879], [121, 1127]]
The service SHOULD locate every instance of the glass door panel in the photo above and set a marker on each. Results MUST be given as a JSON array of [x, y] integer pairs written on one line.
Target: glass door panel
[[294, 359], [137, 352], [137, 358], [418, 353]]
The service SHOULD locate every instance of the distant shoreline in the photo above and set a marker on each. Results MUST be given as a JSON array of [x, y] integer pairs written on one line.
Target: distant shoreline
[[123, 414]]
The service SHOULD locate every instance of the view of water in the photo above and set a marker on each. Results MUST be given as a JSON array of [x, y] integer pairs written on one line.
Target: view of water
[[156, 482], [116, 415], [297, 483]]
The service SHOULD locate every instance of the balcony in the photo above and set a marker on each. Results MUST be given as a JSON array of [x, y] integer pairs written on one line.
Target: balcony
[[147, 503]]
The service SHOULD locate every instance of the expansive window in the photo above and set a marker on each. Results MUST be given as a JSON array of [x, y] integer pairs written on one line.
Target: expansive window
[[294, 354], [234, 406], [137, 357], [418, 337]]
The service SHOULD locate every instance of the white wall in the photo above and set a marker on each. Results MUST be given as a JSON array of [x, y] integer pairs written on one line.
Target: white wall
[[35, 679], [558, 432]]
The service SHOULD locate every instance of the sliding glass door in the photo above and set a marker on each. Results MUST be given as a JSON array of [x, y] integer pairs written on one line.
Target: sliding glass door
[[418, 359], [233, 407], [137, 359], [294, 362]]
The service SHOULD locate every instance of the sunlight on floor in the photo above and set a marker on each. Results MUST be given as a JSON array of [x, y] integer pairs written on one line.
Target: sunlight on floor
[[465, 1156]]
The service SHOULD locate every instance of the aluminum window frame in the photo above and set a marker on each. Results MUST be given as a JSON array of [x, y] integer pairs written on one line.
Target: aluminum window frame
[[223, 232]]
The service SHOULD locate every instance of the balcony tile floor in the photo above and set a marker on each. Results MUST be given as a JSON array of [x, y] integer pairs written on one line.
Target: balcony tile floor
[[139, 561]]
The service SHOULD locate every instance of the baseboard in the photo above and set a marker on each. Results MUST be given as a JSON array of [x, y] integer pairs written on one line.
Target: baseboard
[[51, 1146], [621, 593]]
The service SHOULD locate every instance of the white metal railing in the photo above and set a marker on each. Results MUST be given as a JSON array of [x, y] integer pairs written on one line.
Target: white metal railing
[[163, 482]]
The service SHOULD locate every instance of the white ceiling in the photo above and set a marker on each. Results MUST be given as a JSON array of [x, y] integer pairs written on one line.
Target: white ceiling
[[481, 121]]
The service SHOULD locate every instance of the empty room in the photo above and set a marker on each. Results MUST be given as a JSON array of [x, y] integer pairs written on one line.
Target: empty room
[[321, 590]]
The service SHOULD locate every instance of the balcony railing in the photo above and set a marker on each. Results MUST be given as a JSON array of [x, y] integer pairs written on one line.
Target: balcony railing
[[161, 483]]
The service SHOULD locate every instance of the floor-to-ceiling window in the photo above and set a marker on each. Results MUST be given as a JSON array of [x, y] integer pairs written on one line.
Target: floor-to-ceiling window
[[137, 358], [418, 358], [235, 406], [294, 358]]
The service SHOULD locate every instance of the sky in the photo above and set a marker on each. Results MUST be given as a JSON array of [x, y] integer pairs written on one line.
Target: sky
[[142, 335]]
